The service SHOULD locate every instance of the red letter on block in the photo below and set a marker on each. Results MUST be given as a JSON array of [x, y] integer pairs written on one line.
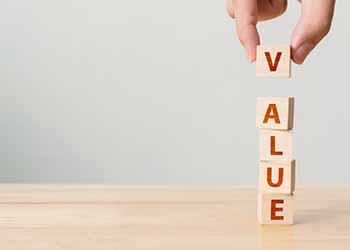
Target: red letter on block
[[273, 66], [272, 112], [275, 209], [280, 177], [273, 146]]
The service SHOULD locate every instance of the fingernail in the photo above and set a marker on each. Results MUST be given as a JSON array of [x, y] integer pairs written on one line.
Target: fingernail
[[302, 52], [249, 54]]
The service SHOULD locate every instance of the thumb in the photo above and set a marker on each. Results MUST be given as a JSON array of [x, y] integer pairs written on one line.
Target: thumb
[[312, 27]]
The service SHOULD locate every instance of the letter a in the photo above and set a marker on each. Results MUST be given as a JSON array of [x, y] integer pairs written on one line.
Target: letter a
[[272, 112], [273, 65]]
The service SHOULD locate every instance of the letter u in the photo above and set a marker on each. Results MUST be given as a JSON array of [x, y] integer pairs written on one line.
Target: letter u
[[269, 177]]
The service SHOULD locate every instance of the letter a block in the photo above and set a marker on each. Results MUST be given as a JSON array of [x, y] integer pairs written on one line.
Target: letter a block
[[277, 177], [276, 209], [276, 145], [273, 61], [275, 112]]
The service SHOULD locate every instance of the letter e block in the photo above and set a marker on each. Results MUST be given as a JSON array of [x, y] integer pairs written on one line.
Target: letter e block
[[275, 113], [277, 177], [276, 145], [273, 61], [276, 209]]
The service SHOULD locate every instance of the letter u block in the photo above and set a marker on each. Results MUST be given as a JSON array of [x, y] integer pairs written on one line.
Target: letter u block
[[275, 113], [277, 177], [273, 61], [275, 209]]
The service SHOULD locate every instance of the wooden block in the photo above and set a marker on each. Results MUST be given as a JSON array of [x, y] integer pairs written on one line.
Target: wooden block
[[276, 145], [273, 61], [277, 177], [276, 209], [275, 112]]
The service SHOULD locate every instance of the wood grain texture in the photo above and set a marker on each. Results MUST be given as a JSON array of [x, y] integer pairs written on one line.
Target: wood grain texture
[[42, 217]]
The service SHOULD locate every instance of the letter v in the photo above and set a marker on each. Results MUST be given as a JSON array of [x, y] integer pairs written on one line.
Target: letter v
[[273, 66]]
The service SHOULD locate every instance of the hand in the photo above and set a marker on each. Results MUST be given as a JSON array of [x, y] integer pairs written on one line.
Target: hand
[[314, 23]]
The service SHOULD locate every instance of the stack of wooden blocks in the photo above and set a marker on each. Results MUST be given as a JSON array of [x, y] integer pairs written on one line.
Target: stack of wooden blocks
[[274, 118]]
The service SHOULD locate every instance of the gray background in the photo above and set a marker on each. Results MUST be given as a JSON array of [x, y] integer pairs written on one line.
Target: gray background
[[157, 92]]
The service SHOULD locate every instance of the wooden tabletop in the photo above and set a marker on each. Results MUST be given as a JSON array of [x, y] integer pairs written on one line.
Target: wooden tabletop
[[99, 217]]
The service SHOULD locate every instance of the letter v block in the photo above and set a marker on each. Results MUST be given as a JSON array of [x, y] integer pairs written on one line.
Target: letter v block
[[276, 209], [273, 61], [275, 112], [277, 177], [276, 145]]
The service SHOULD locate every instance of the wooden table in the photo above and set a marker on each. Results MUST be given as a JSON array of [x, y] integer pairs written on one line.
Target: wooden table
[[99, 217]]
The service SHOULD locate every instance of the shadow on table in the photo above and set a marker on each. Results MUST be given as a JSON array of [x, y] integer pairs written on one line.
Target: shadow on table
[[276, 237], [333, 212], [315, 216]]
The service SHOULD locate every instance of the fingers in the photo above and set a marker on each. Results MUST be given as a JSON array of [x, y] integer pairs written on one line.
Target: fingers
[[246, 15], [267, 9], [313, 25], [229, 8]]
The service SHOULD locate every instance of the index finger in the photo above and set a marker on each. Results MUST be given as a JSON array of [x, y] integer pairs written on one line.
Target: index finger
[[246, 14]]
